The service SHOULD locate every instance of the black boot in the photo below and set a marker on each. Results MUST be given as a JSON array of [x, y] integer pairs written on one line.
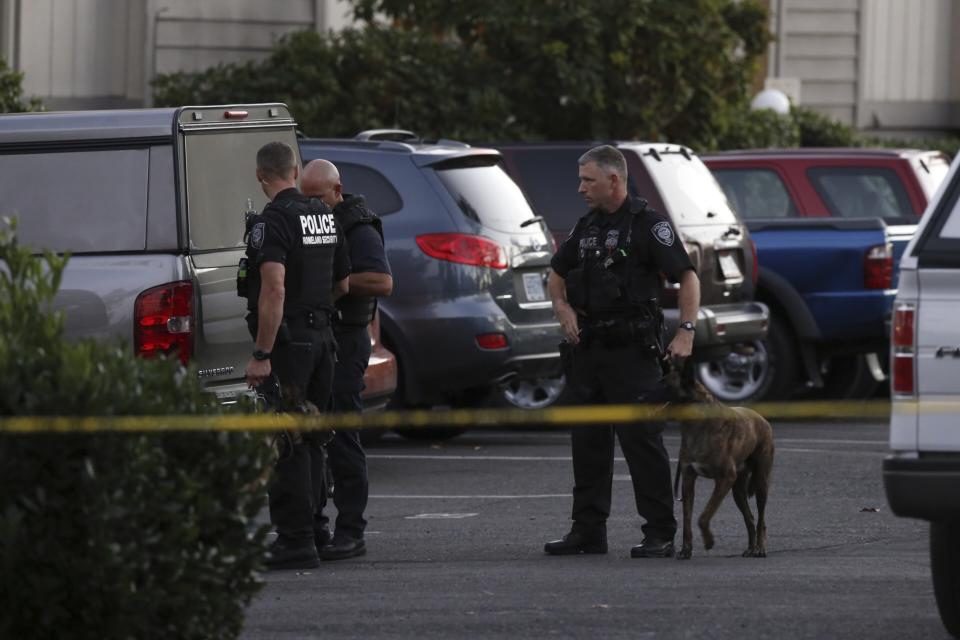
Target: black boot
[[284, 554], [342, 548], [653, 548], [578, 541]]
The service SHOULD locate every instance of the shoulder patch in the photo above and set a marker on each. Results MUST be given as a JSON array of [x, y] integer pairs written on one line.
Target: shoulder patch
[[663, 232], [256, 235]]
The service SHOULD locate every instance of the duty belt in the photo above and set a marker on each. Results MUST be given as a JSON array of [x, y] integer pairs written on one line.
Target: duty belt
[[316, 319], [620, 332]]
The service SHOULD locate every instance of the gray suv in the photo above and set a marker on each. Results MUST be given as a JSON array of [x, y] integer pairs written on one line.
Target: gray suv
[[469, 312]]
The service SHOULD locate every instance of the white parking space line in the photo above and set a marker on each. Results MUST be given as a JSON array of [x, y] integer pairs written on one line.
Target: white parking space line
[[438, 457], [482, 496], [441, 516], [667, 436], [387, 456]]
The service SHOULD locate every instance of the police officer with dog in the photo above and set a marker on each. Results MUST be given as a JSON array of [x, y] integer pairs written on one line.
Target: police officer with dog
[[296, 267], [370, 277], [604, 284]]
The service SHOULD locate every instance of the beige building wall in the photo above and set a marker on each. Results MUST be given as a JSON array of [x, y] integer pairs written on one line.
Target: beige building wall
[[911, 71], [884, 65], [79, 54]]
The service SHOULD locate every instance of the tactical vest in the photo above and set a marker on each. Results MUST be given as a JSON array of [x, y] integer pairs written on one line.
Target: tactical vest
[[308, 278], [610, 282], [356, 310]]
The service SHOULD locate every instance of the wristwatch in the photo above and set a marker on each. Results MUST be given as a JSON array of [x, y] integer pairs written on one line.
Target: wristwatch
[[688, 326], [261, 355]]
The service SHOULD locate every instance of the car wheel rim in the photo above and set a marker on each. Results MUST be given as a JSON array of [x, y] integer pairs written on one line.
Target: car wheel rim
[[737, 376], [533, 394]]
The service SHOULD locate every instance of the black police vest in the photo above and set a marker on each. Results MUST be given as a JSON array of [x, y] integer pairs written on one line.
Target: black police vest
[[356, 310], [614, 283], [308, 279]]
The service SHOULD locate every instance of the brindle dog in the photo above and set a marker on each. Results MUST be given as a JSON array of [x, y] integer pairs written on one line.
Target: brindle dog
[[732, 446]]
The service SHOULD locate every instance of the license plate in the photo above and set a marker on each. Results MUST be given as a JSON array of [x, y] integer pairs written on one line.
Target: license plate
[[728, 266], [533, 287]]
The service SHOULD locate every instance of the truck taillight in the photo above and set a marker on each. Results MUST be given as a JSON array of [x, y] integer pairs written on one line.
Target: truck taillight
[[904, 351], [163, 321], [878, 267], [464, 249]]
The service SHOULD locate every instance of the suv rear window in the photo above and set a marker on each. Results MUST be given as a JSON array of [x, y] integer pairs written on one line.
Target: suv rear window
[[381, 197], [688, 189], [221, 167], [549, 178], [862, 192], [485, 193], [79, 201], [756, 193], [931, 170]]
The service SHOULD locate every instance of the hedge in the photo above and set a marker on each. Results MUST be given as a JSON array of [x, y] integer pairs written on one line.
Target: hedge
[[110, 535]]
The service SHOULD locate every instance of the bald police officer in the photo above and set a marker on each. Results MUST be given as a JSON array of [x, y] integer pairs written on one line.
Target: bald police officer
[[370, 277], [298, 266], [604, 285]]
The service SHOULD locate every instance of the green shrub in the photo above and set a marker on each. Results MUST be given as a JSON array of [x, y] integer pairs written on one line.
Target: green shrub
[[760, 129], [804, 127], [524, 69], [114, 535], [11, 91]]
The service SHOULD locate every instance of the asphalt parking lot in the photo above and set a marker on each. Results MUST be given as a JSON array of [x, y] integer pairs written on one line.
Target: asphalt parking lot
[[455, 549]]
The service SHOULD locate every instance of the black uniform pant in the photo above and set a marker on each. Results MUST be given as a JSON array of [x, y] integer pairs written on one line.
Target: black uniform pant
[[345, 455], [304, 366], [618, 375]]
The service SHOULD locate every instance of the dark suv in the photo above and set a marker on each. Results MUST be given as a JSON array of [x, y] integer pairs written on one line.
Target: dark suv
[[672, 179], [469, 311]]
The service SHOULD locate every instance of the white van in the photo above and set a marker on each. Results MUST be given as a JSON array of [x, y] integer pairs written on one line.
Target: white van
[[922, 474]]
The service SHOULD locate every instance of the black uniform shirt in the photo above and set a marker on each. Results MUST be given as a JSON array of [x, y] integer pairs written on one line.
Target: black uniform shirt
[[654, 246], [367, 254]]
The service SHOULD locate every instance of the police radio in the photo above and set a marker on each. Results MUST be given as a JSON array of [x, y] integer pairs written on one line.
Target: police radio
[[248, 217]]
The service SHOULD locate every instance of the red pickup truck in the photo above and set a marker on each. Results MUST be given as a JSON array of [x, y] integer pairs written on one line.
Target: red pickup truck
[[774, 186], [893, 184]]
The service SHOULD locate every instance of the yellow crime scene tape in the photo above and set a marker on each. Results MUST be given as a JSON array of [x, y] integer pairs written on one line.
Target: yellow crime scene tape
[[462, 418]]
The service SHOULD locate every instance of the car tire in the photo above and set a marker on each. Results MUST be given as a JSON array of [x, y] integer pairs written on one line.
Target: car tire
[[848, 378], [769, 373], [538, 393], [945, 566]]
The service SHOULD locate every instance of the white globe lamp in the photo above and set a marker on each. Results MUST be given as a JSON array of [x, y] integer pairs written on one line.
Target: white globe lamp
[[771, 99]]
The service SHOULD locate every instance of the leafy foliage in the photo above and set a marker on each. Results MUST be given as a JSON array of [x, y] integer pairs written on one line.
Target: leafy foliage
[[11, 91], [506, 70], [109, 535], [358, 79]]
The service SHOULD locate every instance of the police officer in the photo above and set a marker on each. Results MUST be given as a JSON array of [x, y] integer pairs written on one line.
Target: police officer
[[370, 277], [604, 285], [297, 267]]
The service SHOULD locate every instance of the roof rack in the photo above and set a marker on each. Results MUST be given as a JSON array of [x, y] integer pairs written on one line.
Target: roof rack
[[389, 135]]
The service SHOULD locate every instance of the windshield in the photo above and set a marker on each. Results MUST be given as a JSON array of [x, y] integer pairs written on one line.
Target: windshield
[[690, 192], [486, 194], [222, 184]]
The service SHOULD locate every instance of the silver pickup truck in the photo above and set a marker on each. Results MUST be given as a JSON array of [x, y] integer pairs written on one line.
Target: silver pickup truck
[[151, 204]]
